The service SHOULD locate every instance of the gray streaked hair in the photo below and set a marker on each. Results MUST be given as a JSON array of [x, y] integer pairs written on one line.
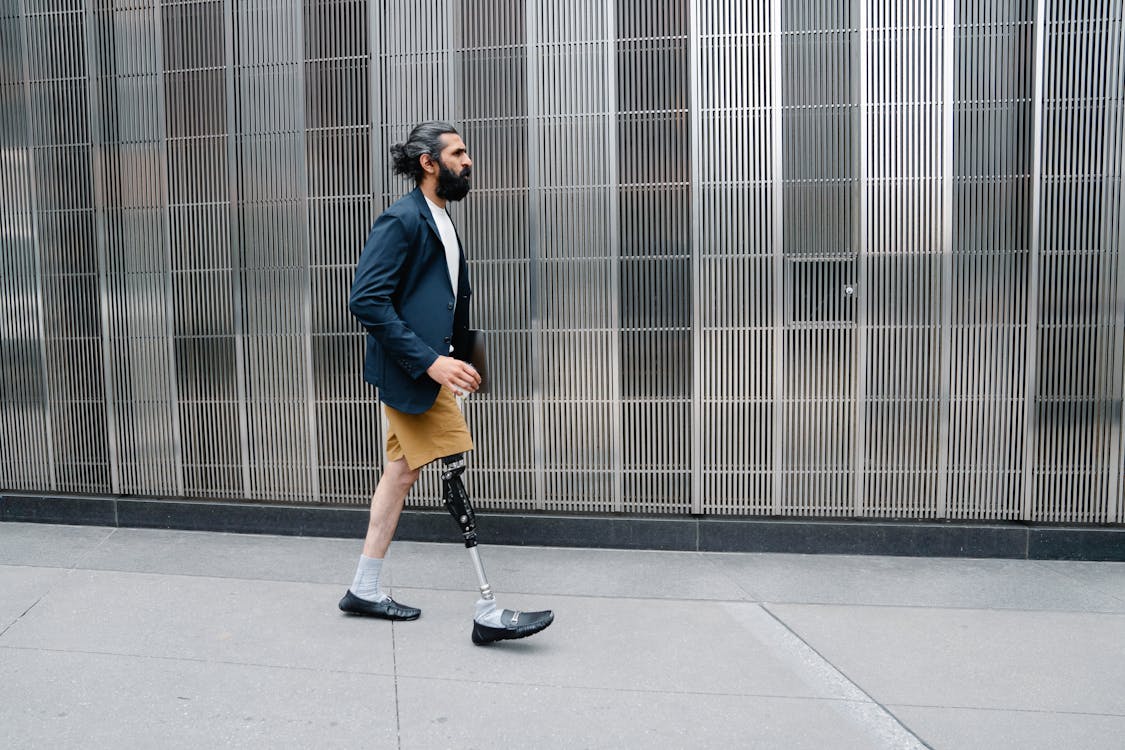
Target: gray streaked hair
[[425, 138]]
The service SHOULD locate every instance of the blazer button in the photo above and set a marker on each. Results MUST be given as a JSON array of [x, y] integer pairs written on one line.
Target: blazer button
[[448, 339], [449, 306]]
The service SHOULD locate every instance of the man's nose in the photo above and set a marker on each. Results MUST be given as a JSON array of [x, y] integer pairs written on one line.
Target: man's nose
[[467, 161]]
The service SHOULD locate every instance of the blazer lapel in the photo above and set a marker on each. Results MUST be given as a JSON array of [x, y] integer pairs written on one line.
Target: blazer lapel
[[425, 213], [428, 217]]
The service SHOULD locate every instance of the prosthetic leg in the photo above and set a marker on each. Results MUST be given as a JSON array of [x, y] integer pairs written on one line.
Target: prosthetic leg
[[489, 625]]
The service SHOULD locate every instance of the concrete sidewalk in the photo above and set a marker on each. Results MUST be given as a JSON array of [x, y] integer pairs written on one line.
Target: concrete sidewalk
[[129, 638]]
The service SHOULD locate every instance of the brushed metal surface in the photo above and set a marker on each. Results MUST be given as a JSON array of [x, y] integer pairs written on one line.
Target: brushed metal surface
[[837, 258]]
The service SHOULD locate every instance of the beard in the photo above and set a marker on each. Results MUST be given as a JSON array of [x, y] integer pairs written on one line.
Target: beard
[[452, 186]]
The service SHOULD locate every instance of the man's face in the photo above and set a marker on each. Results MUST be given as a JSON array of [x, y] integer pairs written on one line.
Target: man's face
[[454, 168]]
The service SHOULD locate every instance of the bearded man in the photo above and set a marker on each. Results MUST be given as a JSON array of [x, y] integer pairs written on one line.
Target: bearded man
[[411, 293]]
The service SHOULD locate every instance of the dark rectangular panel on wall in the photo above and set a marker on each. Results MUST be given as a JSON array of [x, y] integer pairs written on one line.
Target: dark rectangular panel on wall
[[991, 217]]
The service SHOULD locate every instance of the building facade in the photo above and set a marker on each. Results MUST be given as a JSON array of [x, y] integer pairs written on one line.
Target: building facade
[[860, 258]]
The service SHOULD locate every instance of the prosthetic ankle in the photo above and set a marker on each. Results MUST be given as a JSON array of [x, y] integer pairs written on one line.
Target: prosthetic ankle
[[458, 505]]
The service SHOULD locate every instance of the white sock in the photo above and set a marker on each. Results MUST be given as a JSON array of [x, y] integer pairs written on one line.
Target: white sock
[[488, 613], [366, 583]]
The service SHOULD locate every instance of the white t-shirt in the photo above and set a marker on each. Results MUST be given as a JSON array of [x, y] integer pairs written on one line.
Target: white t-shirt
[[449, 239]]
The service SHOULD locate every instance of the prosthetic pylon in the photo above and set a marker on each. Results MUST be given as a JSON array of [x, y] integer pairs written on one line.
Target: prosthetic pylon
[[458, 505], [491, 623]]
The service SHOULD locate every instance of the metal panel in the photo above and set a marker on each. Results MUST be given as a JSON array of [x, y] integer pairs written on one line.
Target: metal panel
[[736, 230], [29, 462], [576, 269], [1076, 409], [340, 54], [899, 305], [1116, 67], [948, 58], [533, 348], [205, 247], [992, 166], [656, 255], [137, 285], [820, 125], [63, 155], [777, 266], [274, 241], [97, 131]]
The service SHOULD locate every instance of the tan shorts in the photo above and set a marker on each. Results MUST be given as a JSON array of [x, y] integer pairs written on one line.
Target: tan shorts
[[422, 438]]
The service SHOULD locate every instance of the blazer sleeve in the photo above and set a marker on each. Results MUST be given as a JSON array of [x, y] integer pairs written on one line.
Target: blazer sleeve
[[372, 298]]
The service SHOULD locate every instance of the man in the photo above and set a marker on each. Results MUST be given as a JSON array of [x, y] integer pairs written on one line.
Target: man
[[411, 292]]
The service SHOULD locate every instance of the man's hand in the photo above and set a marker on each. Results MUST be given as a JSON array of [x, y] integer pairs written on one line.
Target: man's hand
[[459, 377]]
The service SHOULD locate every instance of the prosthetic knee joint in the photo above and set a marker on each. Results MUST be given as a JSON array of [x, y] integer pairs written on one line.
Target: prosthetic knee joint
[[458, 505]]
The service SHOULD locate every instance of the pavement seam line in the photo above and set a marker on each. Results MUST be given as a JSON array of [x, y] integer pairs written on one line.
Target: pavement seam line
[[998, 709], [394, 669], [729, 577], [635, 691], [438, 678], [786, 602], [618, 597], [194, 660], [881, 720], [22, 615], [92, 550], [65, 572], [958, 608], [1046, 565]]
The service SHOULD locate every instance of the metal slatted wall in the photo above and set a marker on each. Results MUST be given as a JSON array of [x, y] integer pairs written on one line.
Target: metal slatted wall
[[494, 226], [834, 258], [343, 198], [137, 275], [654, 234], [991, 239], [1079, 368], [734, 230], [575, 252], [27, 462], [820, 195], [902, 294], [63, 153], [206, 261]]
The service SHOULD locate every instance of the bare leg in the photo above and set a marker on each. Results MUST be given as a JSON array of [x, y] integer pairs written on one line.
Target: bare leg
[[365, 596], [386, 506]]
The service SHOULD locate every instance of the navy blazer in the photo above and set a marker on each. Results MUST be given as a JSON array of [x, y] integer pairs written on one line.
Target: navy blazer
[[403, 296]]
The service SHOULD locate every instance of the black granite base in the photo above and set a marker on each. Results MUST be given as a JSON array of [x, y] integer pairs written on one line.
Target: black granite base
[[806, 536]]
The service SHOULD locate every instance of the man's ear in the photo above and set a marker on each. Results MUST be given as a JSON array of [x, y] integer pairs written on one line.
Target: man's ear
[[428, 162]]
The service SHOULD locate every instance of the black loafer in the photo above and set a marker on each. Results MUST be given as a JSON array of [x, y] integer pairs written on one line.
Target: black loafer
[[388, 609], [516, 625]]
